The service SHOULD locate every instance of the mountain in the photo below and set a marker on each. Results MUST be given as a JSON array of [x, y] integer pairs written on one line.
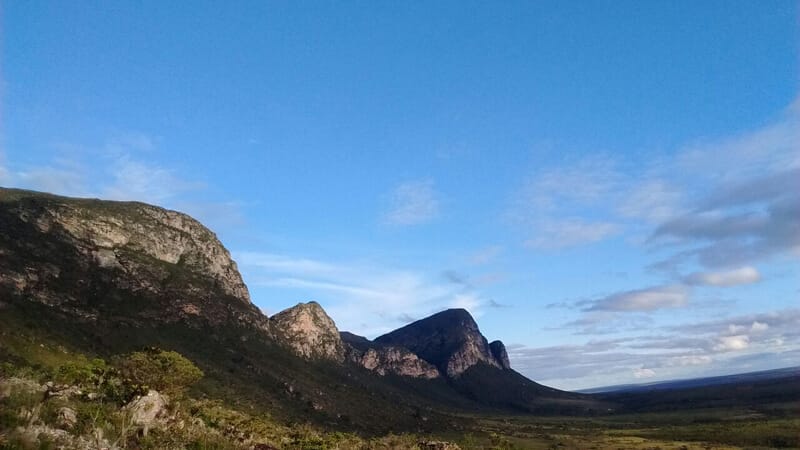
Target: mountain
[[308, 331], [450, 340], [104, 278], [122, 262]]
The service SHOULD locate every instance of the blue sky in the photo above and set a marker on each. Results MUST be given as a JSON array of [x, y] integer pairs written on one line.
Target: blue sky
[[609, 187]]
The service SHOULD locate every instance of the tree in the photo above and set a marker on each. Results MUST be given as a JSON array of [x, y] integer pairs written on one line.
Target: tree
[[163, 370]]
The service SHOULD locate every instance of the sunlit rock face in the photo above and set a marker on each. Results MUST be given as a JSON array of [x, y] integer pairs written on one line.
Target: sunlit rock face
[[309, 332], [385, 360], [95, 258]]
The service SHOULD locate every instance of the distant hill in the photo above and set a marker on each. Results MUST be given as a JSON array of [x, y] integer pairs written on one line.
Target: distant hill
[[748, 377]]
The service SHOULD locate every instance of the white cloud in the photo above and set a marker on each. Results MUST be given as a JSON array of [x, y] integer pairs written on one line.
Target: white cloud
[[691, 360], [679, 351], [115, 170], [137, 180], [364, 298], [648, 299], [733, 277], [60, 180], [413, 203], [732, 343], [643, 373], [470, 302]]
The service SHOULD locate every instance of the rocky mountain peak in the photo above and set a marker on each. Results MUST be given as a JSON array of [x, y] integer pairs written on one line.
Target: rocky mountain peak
[[500, 354], [308, 330], [450, 340]]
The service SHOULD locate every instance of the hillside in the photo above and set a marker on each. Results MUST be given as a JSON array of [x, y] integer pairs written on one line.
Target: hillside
[[105, 278], [93, 291]]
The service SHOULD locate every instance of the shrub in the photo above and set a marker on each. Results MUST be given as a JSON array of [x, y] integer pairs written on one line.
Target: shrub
[[166, 371]]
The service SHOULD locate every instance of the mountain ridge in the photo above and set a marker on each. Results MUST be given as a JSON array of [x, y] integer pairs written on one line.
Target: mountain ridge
[[108, 277]]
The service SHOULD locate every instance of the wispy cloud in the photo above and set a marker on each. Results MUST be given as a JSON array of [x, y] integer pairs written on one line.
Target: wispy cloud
[[752, 212], [563, 233], [733, 277], [121, 168], [365, 298], [555, 206], [413, 203], [638, 300], [719, 346]]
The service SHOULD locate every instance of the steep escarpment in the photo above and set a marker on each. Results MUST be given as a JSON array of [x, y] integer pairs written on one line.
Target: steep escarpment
[[450, 340], [386, 359], [124, 260], [498, 350]]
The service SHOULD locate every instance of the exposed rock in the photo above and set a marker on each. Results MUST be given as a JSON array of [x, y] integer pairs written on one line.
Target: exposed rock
[[437, 445], [62, 391], [38, 435], [309, 332], [95, 259], [148, 411], [386, 359], [394, 360], [450, 340], [500, 354], [66, 417]]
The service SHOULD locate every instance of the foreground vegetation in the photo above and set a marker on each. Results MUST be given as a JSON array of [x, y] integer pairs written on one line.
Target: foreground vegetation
[[51, 397]]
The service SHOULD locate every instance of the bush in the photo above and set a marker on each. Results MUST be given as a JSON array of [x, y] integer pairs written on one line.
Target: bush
[[82, 372], [163, 370]]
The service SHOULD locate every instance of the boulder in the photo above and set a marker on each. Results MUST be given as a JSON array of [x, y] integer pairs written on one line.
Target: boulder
[[148, 411]]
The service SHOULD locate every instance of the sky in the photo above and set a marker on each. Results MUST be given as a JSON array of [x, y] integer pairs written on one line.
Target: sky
[[610, 187]]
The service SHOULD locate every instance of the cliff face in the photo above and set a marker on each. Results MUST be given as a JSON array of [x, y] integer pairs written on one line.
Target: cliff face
[[309, 332], [385, 360], [450, 340], [92, 257], [500, 354]]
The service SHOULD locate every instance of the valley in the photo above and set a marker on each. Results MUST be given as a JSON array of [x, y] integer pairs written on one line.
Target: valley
[[86, 284]]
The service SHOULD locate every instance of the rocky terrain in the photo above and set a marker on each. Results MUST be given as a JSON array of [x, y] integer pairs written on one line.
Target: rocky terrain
[[91, 289], [450, 340], [135, 261], [104, 278], [308, 330]]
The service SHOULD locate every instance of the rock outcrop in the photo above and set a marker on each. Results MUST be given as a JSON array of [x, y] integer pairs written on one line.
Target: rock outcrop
[[148, 411], [309, 332], [386, 359], [450, 340], [500, 354], [93, 258]]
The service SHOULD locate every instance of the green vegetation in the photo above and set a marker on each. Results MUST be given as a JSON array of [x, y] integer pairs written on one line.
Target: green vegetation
[[165, 371], [39, 380]]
